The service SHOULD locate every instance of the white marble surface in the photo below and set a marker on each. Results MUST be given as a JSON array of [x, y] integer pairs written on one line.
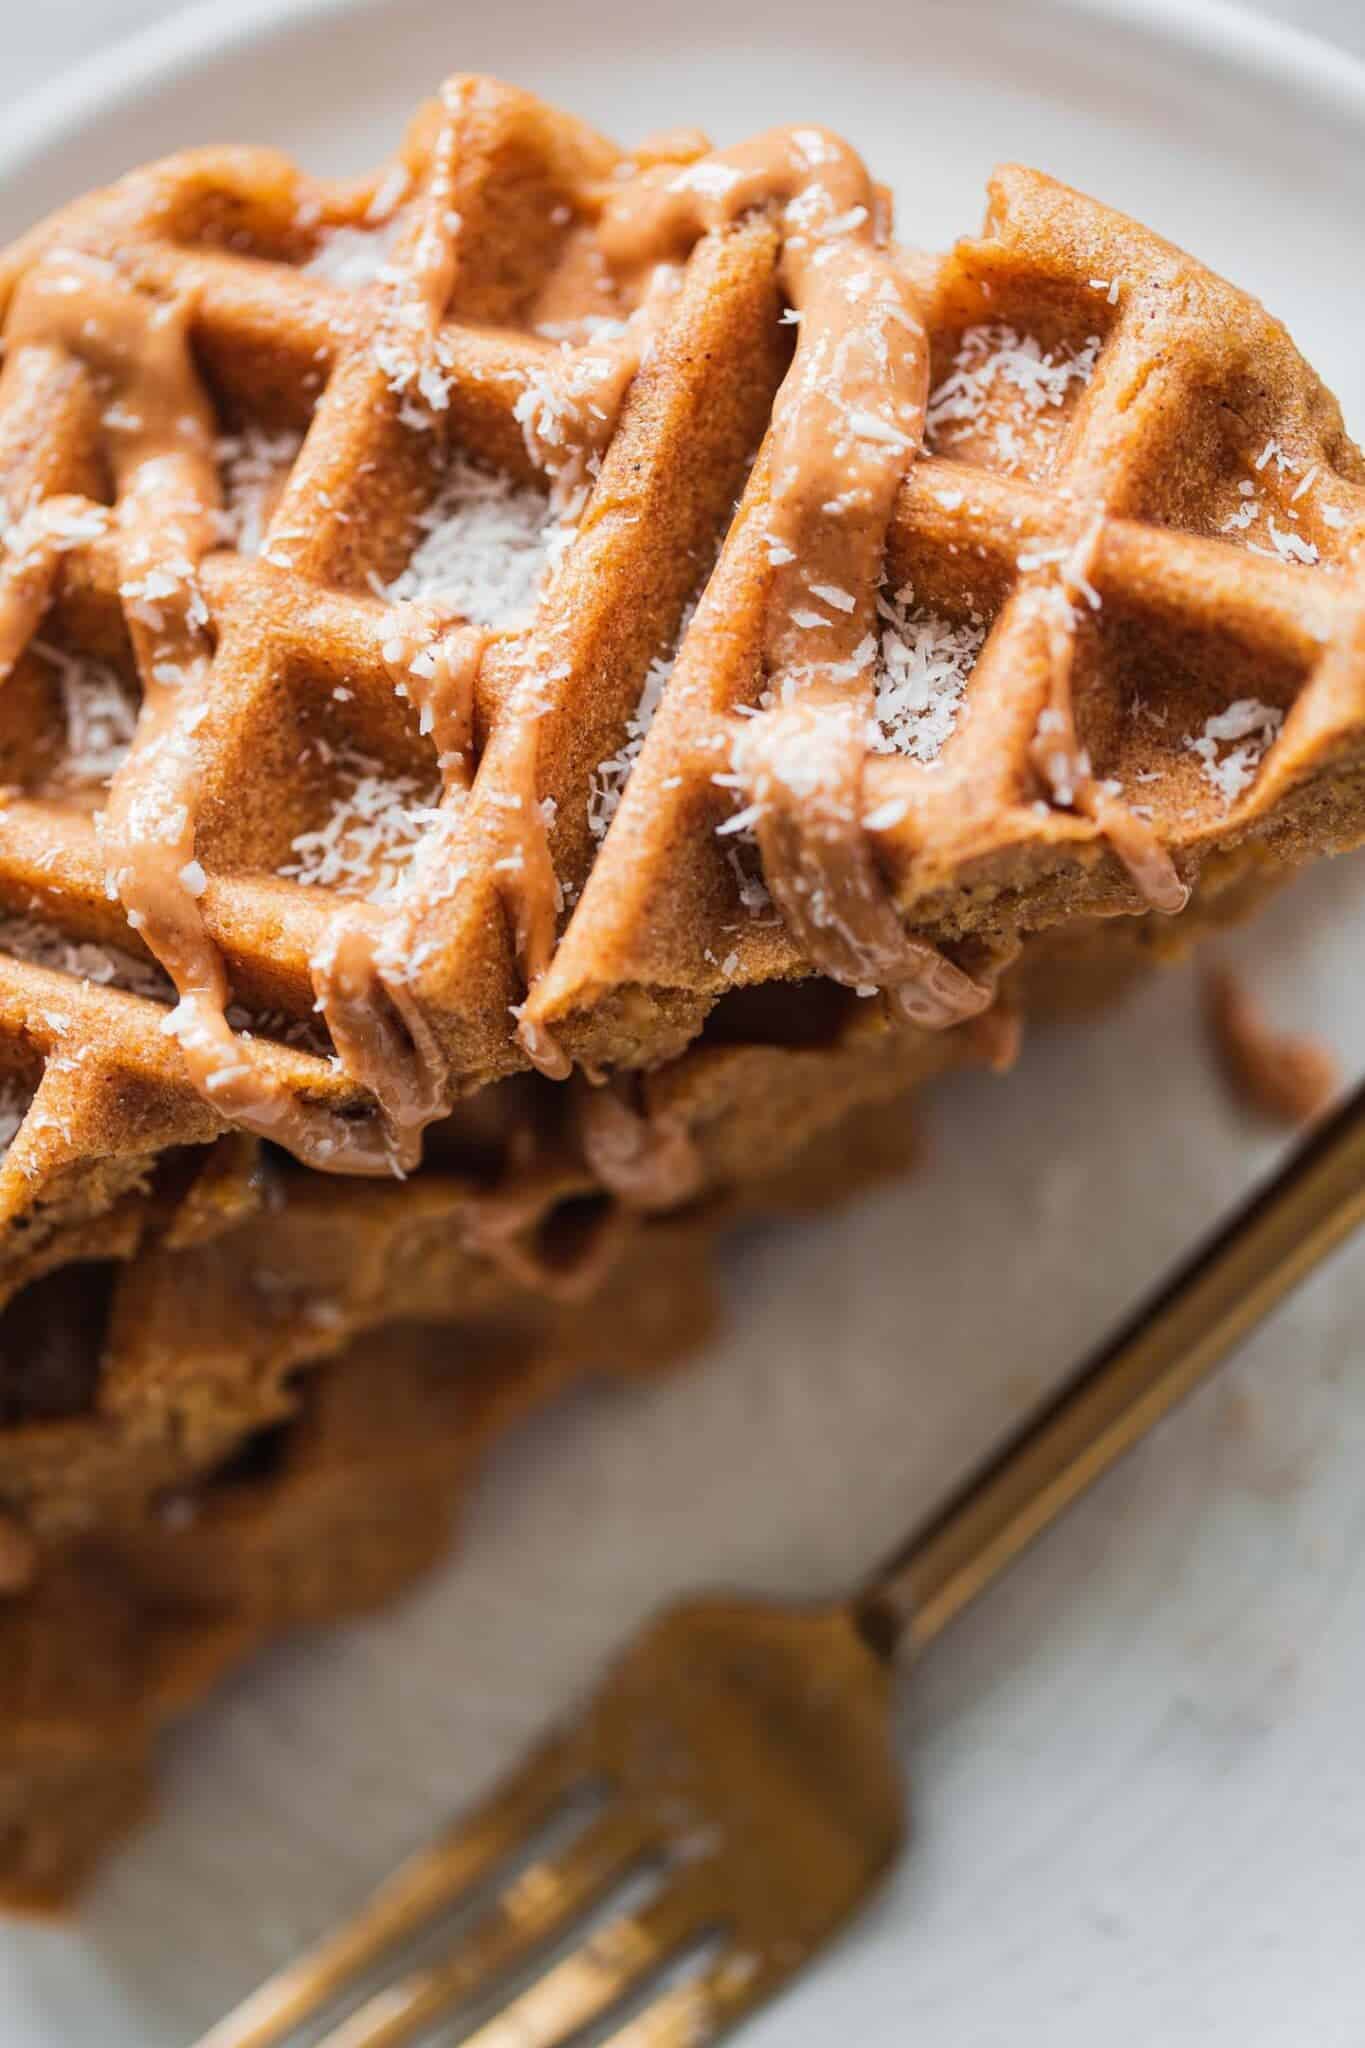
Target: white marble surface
[[1139, 1779]]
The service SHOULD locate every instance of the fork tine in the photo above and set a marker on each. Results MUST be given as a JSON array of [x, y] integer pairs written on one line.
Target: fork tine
[[460, 1858], [685, 2015], [588, 1983], [541, 1901], [569, 1996]]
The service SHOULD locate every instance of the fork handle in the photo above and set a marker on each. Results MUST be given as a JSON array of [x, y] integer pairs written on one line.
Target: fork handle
[[1157, 1357]]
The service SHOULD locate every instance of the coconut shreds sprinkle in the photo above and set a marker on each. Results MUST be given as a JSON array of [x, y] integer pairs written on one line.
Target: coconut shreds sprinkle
[[354, 256], [301, 1032], [922, 670], [253, 466], [98, 714], [996, 363], [1233, 744], [603, 327], [43, 944], [69, 529], [1266, 533], [375, 822], [486, 543], [611, 776]]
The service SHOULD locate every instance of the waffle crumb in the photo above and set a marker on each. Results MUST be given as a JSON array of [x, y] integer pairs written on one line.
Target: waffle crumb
[[1285, 1077]]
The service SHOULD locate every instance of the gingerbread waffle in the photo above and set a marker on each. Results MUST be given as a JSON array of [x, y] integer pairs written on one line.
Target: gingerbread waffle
[[124, 1372], [394, 701], [229, 1435], [353, 1490], [199, 1450], [121, 1377], [357, 530]]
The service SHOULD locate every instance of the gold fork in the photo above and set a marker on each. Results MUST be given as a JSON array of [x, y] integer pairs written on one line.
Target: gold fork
[[731, 1794]]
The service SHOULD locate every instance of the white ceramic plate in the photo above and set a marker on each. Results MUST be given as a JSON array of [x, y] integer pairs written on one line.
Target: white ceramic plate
[[1139, 1769]]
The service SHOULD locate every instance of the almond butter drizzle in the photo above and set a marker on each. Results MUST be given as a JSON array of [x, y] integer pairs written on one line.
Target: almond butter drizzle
[[1289, 1078], [158, 433], [647, 1158], [847, 423], [501, 1226], [362, 969], [34, 547], [1058, 756], [362, 972]]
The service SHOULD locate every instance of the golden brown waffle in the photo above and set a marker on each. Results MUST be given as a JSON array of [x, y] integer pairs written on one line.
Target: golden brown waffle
[[295, 714], [187, 1466], [181, 1483], [353, 1490], [134, 1368], [122, 1377], [1121, 633], [1113, 635]]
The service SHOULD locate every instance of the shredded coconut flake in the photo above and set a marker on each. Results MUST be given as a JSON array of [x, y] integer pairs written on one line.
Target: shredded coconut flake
[[611, 776], [1233, 744], [44, 944], [98, 715], [998, 368], [354, 256], [486, 546], [302, 1032], [1279, 542], [923, 666], [253, 466], [375, 822], [584, 327], [1291, 546]]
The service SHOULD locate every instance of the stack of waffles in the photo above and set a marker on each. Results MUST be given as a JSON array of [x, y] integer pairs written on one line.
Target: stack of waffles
[[541, 693]]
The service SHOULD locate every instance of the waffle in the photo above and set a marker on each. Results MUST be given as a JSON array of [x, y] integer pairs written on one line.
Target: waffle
[[331, 1510], [515, 751], [398, 811], [125, 1373], [268, 1418], [121, 1379]]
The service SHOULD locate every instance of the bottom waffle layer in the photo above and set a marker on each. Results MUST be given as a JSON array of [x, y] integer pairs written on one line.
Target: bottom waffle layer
[[325, 1514], [289, 1413]]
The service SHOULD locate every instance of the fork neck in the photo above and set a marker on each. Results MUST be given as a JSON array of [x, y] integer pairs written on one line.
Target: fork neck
[[1170, 1344]]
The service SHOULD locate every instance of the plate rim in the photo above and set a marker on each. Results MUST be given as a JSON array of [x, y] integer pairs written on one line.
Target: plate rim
[[1297, 60]]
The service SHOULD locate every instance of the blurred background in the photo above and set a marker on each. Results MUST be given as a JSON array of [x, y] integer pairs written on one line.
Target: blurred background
[[42, 42]]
